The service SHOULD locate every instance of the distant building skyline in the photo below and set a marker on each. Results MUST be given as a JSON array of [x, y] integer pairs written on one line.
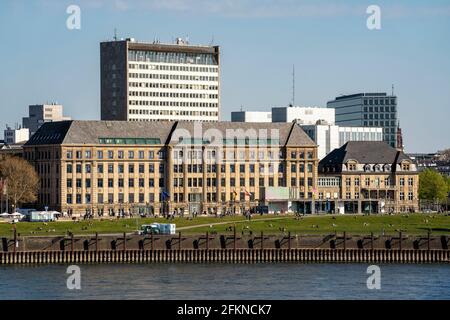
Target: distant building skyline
[[38, 114]]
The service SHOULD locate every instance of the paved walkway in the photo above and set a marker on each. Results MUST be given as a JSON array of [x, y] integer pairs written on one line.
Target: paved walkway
[[228, 222]]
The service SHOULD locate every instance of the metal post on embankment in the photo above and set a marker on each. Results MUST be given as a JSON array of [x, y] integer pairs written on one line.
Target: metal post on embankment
[[238, 254]]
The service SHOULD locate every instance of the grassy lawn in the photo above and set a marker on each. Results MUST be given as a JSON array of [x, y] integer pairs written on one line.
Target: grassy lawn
[[410, 224], [101, 226]]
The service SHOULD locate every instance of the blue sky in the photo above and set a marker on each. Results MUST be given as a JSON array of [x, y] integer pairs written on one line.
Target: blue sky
[[333, 51]]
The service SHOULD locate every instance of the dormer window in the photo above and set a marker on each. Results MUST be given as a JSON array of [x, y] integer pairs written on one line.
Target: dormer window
[[351, 167], [387, 168], [377, 168], [367, 167], [405, 166]]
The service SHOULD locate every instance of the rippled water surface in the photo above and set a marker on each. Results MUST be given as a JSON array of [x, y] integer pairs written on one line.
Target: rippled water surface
[[226, 281]]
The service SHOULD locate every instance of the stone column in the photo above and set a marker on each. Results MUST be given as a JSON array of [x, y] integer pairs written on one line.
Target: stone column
[[218, 179], [169, 175], [185, 178], [204, 176]]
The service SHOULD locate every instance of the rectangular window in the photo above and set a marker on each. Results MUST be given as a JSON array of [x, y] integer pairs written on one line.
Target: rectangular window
[[293, 168]]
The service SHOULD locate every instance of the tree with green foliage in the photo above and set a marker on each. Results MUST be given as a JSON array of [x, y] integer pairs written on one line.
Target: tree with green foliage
[[432, 186]]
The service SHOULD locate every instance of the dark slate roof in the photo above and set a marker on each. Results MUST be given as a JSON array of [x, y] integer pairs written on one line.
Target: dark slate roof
[[287, 133], [50, 133], [371, 152], [89, 132]]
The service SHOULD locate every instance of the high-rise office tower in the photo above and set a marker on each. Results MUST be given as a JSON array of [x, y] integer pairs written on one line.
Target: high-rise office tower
[[154, 81], [368, 110]]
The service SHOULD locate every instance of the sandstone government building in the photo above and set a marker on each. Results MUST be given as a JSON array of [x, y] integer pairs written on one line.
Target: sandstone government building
[[108, 168]]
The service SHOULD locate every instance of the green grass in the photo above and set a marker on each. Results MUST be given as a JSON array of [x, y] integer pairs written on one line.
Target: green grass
[[409, 224], [101, 226]]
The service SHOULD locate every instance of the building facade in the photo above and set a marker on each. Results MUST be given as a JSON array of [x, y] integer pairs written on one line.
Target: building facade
[[330, 137], [42, 113], [368, 110], [153, 81], [251, 116], [303, 115], [114, 167], [15, 136], [368, 177]]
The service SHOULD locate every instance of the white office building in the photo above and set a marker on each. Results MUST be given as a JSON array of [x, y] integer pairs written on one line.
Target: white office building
[[330, 137], [251, 116], [303, 115], [41, 113], [16, 136], [154, 81]]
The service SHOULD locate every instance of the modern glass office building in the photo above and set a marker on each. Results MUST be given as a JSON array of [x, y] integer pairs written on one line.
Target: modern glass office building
[[368, 110]]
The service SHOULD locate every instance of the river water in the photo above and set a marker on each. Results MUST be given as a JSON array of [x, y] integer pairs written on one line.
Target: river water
[[226, 281]]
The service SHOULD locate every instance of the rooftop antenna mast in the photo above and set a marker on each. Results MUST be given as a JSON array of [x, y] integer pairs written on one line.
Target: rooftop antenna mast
[[392, 90], [293, 85], [115, 34]]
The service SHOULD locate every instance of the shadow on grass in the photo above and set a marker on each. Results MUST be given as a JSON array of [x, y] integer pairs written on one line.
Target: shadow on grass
[[437, 229]]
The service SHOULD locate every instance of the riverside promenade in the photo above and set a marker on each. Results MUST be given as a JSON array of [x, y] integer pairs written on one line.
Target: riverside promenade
[[226, 248]]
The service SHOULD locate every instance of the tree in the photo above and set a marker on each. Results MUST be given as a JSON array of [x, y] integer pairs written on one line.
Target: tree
[[20, 179], [445, 155], [432, 186]]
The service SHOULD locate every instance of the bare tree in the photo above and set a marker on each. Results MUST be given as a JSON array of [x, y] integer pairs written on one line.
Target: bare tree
[[20, 180], [445, 155]]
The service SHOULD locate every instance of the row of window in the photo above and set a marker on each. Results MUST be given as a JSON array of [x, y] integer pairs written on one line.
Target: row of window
[[111, 154], [377, 181], [349, 195], [111, 168], [178, 86], [172, 57], [382, 116], [172, 77], [173, 95], [111, 198], [376, 102], [211, 182], [172, 68], [156, 103], [191, 168], [112, 183], [381, 124]]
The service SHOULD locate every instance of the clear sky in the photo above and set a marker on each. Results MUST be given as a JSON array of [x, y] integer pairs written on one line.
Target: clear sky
[[328, 41]]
